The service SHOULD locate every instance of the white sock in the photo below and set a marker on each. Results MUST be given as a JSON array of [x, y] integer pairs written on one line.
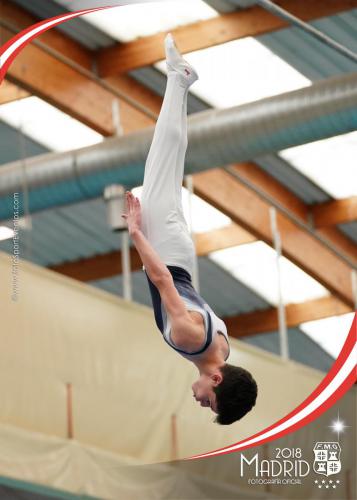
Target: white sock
[[175, 61]]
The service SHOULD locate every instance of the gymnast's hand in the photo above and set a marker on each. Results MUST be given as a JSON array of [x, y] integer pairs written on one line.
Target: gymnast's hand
[[133, 215]]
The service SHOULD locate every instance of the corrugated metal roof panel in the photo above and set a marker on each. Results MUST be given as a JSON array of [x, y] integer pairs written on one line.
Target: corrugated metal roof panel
[[139, 284], [222, 6], [68, 233], [311, 57], [302, 349], [292, 179], [226, 295], [349, 229], [14, 146]]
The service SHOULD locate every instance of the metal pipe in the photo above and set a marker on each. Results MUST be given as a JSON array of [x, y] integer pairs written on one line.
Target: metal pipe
[[125, 261], [69, 404], [114, 196], [118, 127], [26, 223], [308, 28], [125, 240], [216, 137], [283, 335]]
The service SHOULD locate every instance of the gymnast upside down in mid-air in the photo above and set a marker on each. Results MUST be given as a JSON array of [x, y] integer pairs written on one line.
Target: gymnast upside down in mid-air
[[160, 234]]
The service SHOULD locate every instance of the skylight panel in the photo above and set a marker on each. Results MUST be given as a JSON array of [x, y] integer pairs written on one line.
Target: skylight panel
[[254, 264], [129, 22], [47, 125], [241, 71], [203, 216], [329, 333], [330, 163]]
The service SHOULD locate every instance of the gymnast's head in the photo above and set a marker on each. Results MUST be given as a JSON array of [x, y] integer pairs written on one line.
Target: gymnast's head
[[230, 391]]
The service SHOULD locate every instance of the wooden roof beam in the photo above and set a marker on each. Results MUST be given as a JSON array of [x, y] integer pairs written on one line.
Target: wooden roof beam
[[59, 71], [10, 92], [265, 321], [231, 235], [108, 265], [245, 207], [254, 21], [335, 212], [268, 185]]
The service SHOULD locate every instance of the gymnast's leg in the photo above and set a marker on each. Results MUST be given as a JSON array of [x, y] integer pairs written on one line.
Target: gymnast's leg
[[162, 218]]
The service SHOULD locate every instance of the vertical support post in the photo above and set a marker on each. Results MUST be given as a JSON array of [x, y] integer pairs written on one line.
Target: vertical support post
[[125, 240], [284, 347], [116, 118], [354, 286], [174, 441], [26, 221], [114, 195], [125, 265], [69, 411], [189, 186]]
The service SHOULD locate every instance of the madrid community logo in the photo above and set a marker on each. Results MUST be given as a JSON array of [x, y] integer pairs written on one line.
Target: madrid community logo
[[327, 458]]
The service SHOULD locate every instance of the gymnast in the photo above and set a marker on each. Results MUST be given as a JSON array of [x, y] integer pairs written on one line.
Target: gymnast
[[159, 231]]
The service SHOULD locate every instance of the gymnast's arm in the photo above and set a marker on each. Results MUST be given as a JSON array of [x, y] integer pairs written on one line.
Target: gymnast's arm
[[160, 276], [151, 260], [184, 332], [155, 268]]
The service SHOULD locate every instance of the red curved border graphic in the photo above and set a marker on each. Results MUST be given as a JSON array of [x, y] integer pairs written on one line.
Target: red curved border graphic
[[344, 365], [34, 31]]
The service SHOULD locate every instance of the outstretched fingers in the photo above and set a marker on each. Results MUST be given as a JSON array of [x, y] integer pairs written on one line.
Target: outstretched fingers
[[129, 200], [128, 205], [132, 200]]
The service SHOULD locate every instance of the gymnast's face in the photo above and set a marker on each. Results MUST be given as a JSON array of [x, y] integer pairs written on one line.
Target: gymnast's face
[[203, 390]]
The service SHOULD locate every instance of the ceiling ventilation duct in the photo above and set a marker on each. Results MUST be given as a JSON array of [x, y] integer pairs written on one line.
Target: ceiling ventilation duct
[[216, 138]]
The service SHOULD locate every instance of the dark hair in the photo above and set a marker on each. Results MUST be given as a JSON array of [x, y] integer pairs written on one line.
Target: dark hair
[[235, 395]]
